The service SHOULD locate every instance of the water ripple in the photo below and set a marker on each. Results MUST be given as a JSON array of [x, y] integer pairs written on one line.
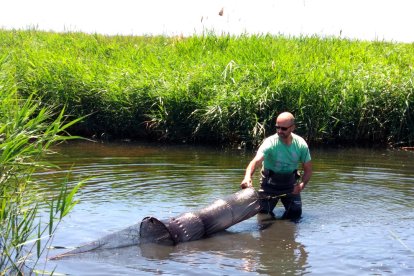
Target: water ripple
[[358, 207]]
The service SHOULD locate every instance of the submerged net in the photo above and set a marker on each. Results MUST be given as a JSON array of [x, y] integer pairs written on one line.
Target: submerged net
[[123, 238], [188, 226]]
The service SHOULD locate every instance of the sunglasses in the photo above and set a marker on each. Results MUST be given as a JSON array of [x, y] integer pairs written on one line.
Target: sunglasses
[[283, 128]]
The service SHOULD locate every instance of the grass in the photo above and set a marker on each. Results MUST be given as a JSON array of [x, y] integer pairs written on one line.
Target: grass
[[220, 89], [28, 128]]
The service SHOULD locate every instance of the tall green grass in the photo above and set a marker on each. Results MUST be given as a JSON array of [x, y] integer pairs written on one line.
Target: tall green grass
[[220, 89], [28, 128]]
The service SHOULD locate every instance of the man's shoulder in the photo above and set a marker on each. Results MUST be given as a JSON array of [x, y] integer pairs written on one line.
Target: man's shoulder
[[299, 140], [269, 142], [272, 137], [272, 140]]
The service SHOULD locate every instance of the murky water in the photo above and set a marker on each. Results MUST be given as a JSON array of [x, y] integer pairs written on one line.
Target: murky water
[[358, 216]]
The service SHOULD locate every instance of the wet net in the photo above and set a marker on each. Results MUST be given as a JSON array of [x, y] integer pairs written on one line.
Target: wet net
[[188, 226]]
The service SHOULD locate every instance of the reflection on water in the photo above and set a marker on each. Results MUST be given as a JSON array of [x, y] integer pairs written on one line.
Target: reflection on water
[[357, 216]]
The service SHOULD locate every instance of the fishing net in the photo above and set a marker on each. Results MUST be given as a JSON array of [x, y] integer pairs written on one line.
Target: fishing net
[[188, 226]]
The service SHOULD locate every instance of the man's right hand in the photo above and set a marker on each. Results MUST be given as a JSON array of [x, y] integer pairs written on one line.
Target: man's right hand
[[246, 183]]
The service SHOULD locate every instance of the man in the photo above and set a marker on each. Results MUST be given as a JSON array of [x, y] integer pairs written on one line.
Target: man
[[279, 156]]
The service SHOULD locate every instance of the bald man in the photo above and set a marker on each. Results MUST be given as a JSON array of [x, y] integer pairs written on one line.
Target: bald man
[[279, 157]]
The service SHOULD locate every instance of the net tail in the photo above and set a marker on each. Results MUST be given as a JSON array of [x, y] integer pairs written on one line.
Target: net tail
[[126, 237]]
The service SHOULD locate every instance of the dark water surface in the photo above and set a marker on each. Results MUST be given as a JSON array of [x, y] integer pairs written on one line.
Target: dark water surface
[[358, 214]]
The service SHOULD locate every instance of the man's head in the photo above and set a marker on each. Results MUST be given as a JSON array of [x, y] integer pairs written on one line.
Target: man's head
[[285, 124]]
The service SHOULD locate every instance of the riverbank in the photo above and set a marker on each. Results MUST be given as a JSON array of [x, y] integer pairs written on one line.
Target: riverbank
[[219, 89]]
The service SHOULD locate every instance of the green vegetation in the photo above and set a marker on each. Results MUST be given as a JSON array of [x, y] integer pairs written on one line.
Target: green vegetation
[[26, 134], [220, 89]]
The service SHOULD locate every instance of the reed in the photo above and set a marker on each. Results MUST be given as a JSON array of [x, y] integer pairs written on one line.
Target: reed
[[27, 131], [220, 89]]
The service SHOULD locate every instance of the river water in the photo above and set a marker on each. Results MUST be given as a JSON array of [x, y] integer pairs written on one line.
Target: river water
[[358, 216]]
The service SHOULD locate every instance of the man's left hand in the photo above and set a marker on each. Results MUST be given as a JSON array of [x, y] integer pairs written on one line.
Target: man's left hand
[[298, 188]]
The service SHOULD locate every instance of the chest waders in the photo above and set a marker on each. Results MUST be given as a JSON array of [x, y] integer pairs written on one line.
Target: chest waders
[[280, 185]]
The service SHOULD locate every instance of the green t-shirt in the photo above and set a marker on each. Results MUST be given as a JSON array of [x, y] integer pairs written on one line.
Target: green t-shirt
[[282, 158]]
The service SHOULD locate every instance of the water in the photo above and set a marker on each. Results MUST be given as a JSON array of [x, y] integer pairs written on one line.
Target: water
[[358, 216]]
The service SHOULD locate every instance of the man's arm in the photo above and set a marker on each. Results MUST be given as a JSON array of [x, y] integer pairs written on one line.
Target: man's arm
[[251, 168], [307, 173]]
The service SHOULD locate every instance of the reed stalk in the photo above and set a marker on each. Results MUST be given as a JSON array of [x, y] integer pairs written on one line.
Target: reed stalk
[[28, 129]]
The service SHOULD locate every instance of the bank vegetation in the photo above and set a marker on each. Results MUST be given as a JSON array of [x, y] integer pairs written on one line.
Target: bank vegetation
[[223, 90]]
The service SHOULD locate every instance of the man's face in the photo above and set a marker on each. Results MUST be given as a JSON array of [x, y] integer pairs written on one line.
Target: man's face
[[284, 128]]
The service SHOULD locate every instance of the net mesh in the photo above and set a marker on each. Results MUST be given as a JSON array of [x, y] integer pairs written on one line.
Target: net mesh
[[188, 226], [216, 217]]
